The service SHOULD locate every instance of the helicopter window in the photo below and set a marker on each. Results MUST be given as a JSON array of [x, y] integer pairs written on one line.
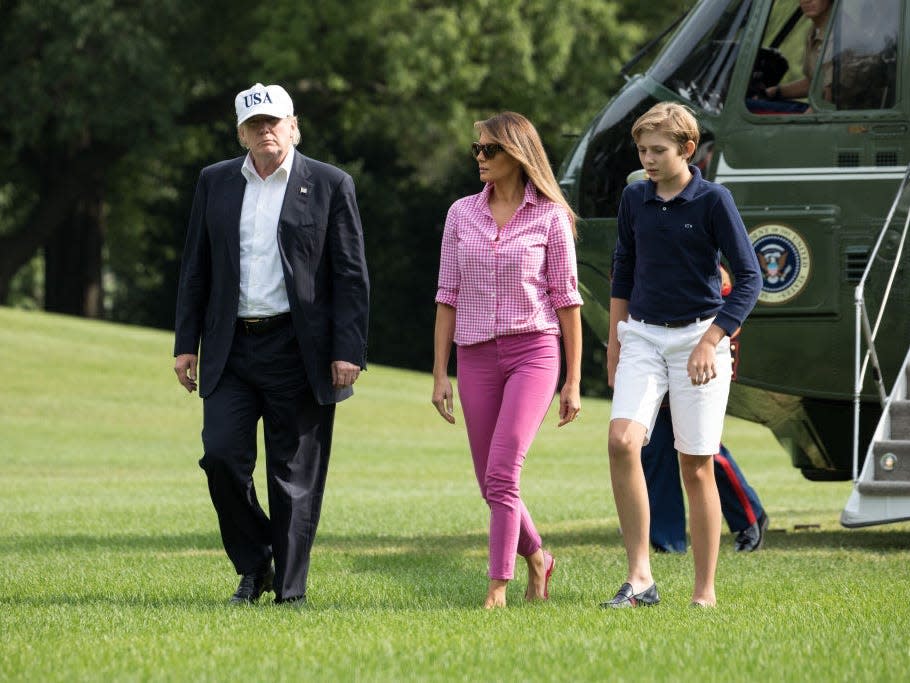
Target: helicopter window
[[701, 74], [854, 68], [862, 49]]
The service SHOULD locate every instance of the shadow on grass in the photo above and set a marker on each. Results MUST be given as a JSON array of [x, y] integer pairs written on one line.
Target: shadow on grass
[[57, 543], [353, 571], [392, 545], [855, 539]]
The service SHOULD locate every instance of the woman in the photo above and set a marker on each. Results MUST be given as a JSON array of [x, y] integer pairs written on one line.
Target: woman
[[508, 288]]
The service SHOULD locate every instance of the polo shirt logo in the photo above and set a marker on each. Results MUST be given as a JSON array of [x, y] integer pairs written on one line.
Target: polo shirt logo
[[688, 226], [256, 98]]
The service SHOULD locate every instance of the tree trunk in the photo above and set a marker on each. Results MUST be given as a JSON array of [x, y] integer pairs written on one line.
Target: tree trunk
[[72, 262]]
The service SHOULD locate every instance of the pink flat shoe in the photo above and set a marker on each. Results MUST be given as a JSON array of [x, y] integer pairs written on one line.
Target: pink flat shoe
[[550, 563]]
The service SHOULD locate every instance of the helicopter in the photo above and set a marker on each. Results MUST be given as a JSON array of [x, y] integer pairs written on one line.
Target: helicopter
[[822, 187]]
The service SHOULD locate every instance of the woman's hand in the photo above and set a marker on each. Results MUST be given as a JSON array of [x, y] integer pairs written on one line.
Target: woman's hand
[[569, 403], [443, 398]]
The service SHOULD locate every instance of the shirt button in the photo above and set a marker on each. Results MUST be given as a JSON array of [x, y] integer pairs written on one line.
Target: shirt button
[[664, 208]]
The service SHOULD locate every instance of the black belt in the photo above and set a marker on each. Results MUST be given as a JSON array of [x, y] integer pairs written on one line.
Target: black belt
[[262, 325], [670, 323]]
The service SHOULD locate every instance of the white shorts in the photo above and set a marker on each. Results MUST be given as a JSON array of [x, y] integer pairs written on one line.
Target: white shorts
[[652, 362]]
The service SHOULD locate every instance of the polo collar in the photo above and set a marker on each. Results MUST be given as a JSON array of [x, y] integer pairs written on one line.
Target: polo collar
[[688, 192]]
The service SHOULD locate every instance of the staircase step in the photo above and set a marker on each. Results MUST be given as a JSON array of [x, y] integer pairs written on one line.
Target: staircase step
[[884, 488], [900, 420], [892, 460]]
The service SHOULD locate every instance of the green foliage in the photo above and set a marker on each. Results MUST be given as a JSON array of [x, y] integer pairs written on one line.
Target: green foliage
[[79, 71], [391, 90], [127, 101], [111, 566]]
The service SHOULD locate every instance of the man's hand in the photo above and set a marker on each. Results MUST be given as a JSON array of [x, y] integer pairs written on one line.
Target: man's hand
[[344, 374], [185, 367]]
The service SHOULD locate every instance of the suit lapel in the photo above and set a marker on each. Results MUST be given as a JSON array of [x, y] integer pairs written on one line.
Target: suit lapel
[[297, 195]]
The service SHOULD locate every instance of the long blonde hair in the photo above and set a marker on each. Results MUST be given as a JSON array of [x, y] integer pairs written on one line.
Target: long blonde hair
[[520, 140]]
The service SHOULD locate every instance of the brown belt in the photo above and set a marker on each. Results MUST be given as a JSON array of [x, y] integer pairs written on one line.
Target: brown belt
[[262, 325]]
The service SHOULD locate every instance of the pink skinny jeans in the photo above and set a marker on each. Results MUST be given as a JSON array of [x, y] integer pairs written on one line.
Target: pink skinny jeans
[[506, 386]]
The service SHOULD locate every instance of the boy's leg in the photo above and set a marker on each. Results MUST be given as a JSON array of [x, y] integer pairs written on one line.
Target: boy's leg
[[640, 385], [698, 420], [704, 522], [631, 496]]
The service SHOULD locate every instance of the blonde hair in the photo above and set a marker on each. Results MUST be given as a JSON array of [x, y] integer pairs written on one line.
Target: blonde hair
[[521, 141], [672, 119]]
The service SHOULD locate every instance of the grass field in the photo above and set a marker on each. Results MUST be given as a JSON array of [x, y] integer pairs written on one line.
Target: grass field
[[111, 567]]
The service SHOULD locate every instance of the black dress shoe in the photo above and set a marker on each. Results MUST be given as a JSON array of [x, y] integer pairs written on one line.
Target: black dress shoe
[[252, 586], [667, 549], [626, 598], [752, 537], [298, 602]]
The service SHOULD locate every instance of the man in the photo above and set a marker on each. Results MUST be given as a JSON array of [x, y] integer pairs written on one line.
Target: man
[[274, 289], [739, 503]]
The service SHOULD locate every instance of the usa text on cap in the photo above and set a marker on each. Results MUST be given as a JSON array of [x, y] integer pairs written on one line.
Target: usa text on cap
[[263, 100]]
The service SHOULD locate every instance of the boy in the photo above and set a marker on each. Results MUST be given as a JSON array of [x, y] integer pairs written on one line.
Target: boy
[[670, 334]]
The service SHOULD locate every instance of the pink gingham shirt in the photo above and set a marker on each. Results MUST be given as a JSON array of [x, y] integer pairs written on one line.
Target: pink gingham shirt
[[511, 283]]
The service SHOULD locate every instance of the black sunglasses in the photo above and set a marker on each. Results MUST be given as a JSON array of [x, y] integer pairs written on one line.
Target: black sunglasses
[[489, 150]]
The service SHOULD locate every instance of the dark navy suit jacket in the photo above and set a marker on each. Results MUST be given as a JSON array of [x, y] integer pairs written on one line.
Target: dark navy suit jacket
[[320, 240]]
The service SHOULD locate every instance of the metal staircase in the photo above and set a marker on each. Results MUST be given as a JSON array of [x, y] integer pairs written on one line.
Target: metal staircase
[[881, 492]]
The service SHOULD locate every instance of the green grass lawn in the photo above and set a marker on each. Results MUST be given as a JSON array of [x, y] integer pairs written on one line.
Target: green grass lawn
[[111, 566]]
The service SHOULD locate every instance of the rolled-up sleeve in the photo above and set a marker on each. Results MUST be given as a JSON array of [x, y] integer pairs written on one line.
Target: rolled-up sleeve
[[562, 267], [447, 286]]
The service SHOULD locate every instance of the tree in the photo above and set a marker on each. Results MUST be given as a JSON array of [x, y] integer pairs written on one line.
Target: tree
[[86, 84], [113, 107], [390, 89]]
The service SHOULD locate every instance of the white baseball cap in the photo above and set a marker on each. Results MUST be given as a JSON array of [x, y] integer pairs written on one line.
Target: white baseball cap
[[264, 100]]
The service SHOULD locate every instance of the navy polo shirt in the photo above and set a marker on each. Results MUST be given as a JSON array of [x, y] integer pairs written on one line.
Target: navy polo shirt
[[667, 255]]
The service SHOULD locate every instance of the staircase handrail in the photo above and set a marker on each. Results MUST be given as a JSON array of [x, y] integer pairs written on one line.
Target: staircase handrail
[[863, 327]]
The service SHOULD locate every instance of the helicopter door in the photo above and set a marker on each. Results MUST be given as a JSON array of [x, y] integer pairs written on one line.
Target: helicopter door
[[814, 183], [814, 175]]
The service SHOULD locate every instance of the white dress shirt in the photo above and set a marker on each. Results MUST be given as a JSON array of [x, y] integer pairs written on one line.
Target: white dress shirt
[[262, 290]]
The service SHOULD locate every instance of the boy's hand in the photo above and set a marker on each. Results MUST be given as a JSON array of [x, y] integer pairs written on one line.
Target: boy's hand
[[702, 367]]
